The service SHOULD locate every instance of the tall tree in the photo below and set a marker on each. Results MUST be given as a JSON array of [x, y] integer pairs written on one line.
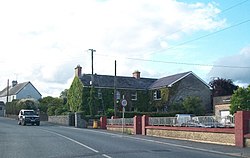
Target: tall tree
[[92, 101], [222, 87], [75, 95], [240, 100]]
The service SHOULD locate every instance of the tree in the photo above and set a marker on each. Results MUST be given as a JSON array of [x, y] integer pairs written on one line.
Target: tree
[[177, 108], [92, 101], [75, 96], [63, 95], [240, 100], [16, 105], [222, 87], [50, 104], [193, 105]]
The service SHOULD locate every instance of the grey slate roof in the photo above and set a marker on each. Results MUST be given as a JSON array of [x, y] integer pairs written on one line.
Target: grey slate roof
[[169, 80], [106, 81], [13, 90]]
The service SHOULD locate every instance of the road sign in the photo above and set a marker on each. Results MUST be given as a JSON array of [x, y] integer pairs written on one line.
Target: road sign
[[124, 102]]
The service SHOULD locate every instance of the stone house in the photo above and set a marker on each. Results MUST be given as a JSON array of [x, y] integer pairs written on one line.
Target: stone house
[[221, 106], [180, 86], [19, 91], [146, 94]]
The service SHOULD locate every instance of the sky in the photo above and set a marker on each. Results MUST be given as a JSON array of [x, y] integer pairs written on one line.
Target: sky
[[42, 41]]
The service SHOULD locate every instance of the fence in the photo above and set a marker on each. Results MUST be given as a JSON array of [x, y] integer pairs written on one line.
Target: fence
[[168, 127], [196, 121], [162, 121], [119, 121]]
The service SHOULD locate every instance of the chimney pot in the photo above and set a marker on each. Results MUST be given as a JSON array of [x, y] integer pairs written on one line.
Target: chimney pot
[[14, 83], [137, 74], [78, 71]]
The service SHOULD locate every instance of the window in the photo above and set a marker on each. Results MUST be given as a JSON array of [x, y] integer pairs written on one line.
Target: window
[[99, 94], [134, 96], [157, 95], [118, 95]]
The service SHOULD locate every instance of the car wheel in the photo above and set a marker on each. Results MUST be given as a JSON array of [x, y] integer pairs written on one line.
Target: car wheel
[[38, 123], [23, 123], [18, 122]]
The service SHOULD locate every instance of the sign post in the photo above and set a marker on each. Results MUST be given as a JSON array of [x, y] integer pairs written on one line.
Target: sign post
[[124, 103]]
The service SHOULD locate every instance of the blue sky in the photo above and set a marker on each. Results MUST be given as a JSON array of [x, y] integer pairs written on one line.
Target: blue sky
[[43, 41]]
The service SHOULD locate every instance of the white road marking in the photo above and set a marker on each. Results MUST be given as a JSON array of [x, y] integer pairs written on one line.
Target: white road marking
[[165, 143], [73, 141], [104, 155], [96, 151]]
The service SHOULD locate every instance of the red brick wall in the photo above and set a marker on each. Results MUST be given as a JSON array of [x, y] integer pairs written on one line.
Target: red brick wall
[[241, 127]]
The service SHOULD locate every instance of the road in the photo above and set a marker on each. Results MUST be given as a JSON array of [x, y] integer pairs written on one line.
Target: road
[[55, 141]]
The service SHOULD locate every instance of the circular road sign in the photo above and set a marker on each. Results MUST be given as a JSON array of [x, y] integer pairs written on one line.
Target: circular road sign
[[124, 102]]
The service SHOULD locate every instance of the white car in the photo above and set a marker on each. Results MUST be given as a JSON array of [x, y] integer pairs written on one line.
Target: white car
[[28, 117]]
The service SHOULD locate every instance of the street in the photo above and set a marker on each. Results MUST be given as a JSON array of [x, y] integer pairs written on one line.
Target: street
[[55, 141]]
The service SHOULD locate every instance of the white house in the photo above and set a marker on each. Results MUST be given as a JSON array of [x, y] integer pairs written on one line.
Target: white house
[[19, 91]]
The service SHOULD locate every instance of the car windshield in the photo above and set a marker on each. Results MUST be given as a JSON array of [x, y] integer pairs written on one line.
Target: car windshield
[[29, 113]]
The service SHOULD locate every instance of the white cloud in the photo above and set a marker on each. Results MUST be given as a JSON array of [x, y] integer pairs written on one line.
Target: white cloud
[[43, 41], [239, 75]]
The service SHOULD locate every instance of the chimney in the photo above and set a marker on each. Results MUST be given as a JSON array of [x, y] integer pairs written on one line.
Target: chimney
[[78, 71], [14, 83], [136, 74]]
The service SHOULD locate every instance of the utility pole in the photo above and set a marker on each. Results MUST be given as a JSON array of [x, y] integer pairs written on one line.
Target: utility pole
[[92, 66], [92, 59], [92, 102], [115, 93], [7, 99]]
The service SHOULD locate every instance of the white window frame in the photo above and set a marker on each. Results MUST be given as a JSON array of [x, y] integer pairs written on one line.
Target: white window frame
[[118, 95], [157, 95], [134, 96]]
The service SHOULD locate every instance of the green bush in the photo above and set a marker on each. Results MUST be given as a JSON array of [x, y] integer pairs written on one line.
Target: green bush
[[15, 106]]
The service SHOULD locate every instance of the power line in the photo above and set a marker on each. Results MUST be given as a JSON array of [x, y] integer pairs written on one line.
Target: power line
[[192, 64], [195, 39], [222, 12], [183, 43], [233, 6], [179, 63]]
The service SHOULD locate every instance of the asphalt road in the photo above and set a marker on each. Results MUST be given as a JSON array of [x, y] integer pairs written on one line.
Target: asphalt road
[[55, 141]]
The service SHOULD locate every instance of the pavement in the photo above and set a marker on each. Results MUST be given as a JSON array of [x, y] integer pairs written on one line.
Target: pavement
[[188, 144], [229, 150], [201, 146]]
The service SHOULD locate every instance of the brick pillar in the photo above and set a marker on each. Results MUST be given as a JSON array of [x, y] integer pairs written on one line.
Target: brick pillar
[[144, 123], [241, 127], [103, 122], [137, 125]]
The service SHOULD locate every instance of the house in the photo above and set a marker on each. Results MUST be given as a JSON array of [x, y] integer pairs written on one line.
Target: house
[[180, 86], [19, 91], [222, 106], [146, 94]]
